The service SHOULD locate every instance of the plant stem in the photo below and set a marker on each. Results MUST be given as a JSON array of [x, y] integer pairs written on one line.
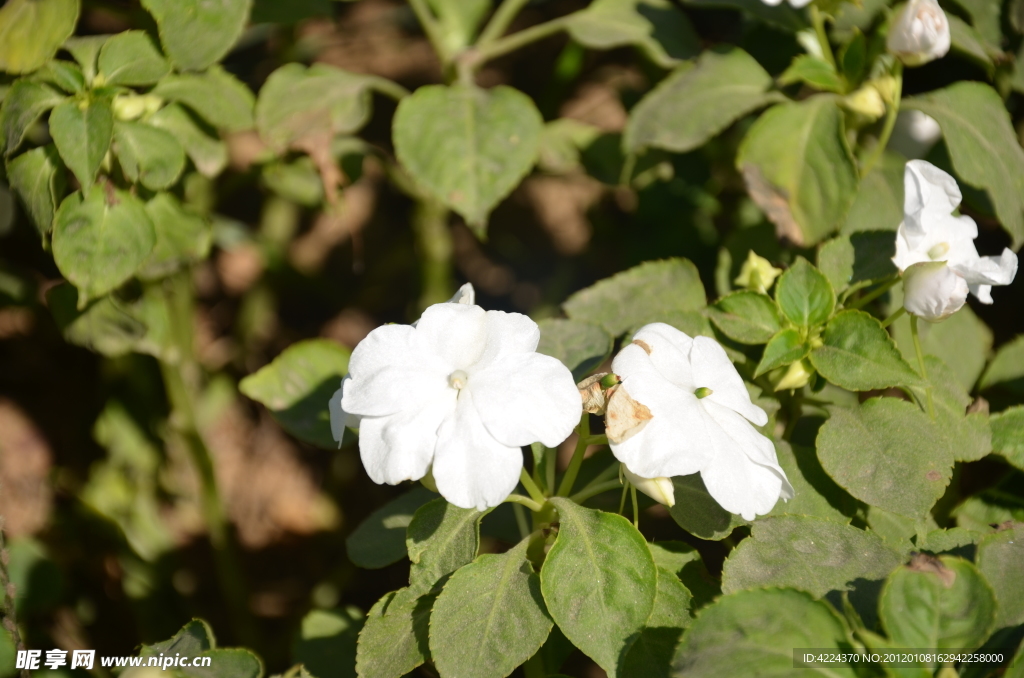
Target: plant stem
[[550, 459], [636, 508], [181, 382], [434, 247], [890, 121], [920, 362], [524, 527], [583, 430], [499, 23], [894, 317], [594, 489], [524, 501], [622, 498], [611, 472], [7, 593], [432, 28], [531, 487], [390, 88], [484, 53], [874, 294], [819, 27]]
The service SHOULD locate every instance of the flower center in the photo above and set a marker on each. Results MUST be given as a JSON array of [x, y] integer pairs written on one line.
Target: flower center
[[458, 379], [938, 251], [703, 392]]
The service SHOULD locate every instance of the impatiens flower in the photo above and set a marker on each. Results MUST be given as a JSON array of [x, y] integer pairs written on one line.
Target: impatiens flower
[[919, 33], [457, 394], [682, 408], [793, 3], [658, 489], [930, 233]]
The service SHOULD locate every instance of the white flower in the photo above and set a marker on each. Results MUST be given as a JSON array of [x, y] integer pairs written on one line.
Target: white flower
[[794, 3], [457, 394], [919, 33], [931, 290], [658, 489], [914, 134], [682, 408], [930, 233]]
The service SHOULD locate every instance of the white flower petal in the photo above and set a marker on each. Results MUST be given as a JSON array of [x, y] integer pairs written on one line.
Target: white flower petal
[[741, 485], [525, 398], [455, 333], [658, 489], [670, 353], [982, 292], [712, 369], [401, 446], [999, 270], [464, 295], [919, 33], [340, 419], [507, 334], [756, 446], [927, 191], [390, 371], [933, 291], [471, 468]]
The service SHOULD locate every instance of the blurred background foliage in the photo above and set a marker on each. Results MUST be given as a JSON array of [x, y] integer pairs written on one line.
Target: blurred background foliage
[[103, 510]]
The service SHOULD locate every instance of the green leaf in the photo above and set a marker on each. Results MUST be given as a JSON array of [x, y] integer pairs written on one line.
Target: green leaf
[[698, 513], [798, 168], [297, 181], [131, 58], [31, 31], [815, 72], [697, 101], [1007, 365], [216, 96], [63, 74], [941, 603], [1000, 559], [579, 345], [805, 295], [208, 153], [148, 154], [852, 258], [599, 582], [815, 493], [648, 24], [966, 41], [299, 106], [37, 176], [297, 386], [651, 653], [878, 205], [182, 237], [394, 639], [193, 639], [379, 540], [859, 355], [103, 326], [490, 617], [968, 435], [100, 241], [1008, 435], [561, 143], [82, 131], [853, 57], [782, 349], [746, 317], [683, 561], [459, 21], [982, 145], [962, 340], [225, 663], [440, 539], [197, 34], [466, 146], [643, 294], [812, 554], [887, 453], [940, 541], [24, 103], [752, 633], [85, 49], [326, 645]]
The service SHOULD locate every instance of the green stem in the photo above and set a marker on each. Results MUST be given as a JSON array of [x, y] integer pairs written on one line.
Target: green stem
[[594, 489], [795, 411], [636, 508], [894, 317], [577, 456], [890, 121], [550, 461], [920, 362], [531, 487], [622, 497], [611, 472], [432, 28], [434, 247], [524, 501], [389, 88], [524, 527], [500, 22], [484, 53], [874, 294], [819, 27], [181, 380]]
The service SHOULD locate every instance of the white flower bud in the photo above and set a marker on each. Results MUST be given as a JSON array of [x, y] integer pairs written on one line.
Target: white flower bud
[[919, 33], [658, 489], [933, 291]]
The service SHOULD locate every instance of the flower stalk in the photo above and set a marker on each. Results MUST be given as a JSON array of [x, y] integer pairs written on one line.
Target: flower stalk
[[583, 430], [890, 121], [920, 362]]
